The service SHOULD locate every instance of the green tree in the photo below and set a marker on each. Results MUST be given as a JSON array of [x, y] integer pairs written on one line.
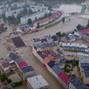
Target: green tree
[[3, 77], [60, 34], [79, 27], [63, 34], [29, 22], [67, 68]]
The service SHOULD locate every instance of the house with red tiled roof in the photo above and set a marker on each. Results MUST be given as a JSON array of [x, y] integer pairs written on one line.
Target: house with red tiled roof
[[86, 31], [85, 34], [64, 78]]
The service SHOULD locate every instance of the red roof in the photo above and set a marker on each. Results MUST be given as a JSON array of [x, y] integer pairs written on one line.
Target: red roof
[[64, 77], [85, 30], [23, 64], [52, 17]]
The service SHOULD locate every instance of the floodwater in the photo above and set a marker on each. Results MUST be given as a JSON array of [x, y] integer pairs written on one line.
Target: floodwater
[[27, 52]]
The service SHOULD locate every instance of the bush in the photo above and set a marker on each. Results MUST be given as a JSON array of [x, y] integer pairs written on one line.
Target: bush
[[17, 84], [60, 34], [3, 77], [67, 68]]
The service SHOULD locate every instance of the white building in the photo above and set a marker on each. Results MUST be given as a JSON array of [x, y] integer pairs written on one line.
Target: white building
[[37, 82], [36, 8], [75, 45], [37, 15], [69, 8]]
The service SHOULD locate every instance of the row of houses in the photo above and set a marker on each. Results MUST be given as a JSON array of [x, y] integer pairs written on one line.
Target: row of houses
[[54, 16], [26, 73], [75, 47], [38, 20], [47, 41], [15, 8], [34, 16], [7, 8], [52, 60]]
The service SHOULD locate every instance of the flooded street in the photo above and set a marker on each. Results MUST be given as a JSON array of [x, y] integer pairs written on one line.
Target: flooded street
[[60, 27], [40, 68], [27, 52]]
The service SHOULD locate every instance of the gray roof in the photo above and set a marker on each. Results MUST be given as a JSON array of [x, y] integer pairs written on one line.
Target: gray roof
[[57, 69], [77, 83]]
